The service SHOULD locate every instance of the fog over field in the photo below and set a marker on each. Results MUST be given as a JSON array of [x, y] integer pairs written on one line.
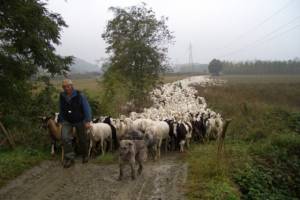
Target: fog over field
[[169, 99], [227, 30]]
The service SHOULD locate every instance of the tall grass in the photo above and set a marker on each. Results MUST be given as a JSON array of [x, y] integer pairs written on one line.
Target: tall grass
[[261, 157]]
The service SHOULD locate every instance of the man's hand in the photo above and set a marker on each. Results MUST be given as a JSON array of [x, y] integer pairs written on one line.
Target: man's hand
[[87, 125]]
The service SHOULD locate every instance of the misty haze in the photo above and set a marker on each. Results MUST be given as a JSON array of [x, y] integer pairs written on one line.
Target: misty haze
[[149, 99]]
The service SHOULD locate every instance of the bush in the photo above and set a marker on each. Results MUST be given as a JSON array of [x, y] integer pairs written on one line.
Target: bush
[[274, 172]]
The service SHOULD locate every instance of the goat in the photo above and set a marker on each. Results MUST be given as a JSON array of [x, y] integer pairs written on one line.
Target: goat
[[180, 132], [54, 131], [214, 127]]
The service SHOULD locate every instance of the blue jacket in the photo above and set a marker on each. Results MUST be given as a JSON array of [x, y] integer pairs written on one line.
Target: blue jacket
[[85, 106]]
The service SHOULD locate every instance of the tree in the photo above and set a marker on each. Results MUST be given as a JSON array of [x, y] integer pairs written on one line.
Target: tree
[[137, 45], [215, 67], [28, 33]]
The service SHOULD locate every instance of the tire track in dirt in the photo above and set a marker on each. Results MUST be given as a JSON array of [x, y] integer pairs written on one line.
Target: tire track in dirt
[[160, 180]]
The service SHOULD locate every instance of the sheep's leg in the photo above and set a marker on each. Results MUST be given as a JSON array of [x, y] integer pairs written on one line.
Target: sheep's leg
[[207, 137], [173, 144], [111, 145], [155, 148], [90, 148], [180, 148], [166, 146], [102, 147], [158, 149], [52, 149], [181, 144], [188, 143]]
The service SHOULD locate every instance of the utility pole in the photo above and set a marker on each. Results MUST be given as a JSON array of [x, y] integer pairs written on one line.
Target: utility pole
[[191, 57]]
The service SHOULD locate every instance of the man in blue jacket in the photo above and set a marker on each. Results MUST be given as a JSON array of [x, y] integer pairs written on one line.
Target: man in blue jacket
[[75, 112]]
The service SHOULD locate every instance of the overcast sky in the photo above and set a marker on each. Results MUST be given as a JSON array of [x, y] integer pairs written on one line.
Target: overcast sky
[[235, 30]]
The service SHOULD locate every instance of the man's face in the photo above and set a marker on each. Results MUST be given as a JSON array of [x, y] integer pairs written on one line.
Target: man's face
[[68, 88]]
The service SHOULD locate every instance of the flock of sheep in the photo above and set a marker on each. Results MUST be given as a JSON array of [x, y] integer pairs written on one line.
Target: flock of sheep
[[178, 117]]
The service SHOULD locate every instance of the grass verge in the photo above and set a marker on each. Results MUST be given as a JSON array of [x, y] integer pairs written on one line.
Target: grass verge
[[13, 163], [108, 158]]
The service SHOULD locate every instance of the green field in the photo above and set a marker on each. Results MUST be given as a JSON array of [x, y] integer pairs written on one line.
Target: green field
[[262, 145], [93, 84], [93, 87]]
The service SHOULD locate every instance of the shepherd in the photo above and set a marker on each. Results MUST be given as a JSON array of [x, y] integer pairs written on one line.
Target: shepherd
[[75, 111]]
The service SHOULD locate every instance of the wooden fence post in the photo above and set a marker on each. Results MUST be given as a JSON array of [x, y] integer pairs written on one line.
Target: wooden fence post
[[8, 136]]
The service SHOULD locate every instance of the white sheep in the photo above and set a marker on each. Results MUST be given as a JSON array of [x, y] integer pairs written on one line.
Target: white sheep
[[100, 132], [121, 127], [141, 124], [158, 131]]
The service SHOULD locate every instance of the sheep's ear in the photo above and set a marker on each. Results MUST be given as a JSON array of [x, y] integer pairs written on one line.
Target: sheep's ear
[[95, 120]]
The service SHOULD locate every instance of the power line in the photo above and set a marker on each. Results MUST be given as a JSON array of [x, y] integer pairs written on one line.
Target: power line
[[279, 28], [287, 31], [259, 25], [261, 41], [266, 36], [191, 56]]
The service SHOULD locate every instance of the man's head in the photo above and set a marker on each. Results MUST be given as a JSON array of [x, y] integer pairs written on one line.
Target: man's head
[[67, 85]]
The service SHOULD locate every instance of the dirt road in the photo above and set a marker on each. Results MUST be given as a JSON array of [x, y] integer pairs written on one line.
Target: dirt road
[[160, 180]]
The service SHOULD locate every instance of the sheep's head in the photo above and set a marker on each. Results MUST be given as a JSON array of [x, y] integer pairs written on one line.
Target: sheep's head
[[96, 120], [89, 131]]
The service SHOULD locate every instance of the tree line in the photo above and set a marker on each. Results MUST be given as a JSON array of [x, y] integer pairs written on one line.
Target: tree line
[[255, 67]]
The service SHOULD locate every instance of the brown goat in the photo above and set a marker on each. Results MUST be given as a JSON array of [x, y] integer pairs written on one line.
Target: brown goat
[[54, 131]]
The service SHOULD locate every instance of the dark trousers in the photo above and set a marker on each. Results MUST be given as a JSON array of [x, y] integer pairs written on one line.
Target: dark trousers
[[67, 139]]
